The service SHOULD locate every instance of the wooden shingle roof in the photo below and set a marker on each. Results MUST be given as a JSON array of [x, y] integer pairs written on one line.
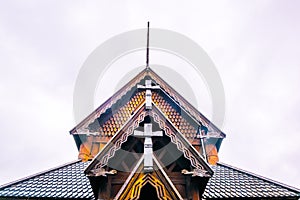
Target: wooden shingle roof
[[69, 182], [111, 116]]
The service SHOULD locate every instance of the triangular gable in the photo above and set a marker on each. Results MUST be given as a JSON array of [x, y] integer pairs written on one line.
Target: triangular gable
[[189, 152], [197, 171], [81, 128], [98, 128]]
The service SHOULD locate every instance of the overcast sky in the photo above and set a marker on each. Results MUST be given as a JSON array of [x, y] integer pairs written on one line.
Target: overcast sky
[[255, 46]]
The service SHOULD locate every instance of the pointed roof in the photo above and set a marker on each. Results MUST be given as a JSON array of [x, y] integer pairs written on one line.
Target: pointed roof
[[115, 107], [167, 89], [69, 182]]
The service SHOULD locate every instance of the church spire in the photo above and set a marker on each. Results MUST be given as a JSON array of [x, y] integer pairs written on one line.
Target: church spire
[[147, 54]]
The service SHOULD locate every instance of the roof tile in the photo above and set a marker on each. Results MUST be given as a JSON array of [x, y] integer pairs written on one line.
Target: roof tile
[[69, 181], [63, 182], [235, 183]]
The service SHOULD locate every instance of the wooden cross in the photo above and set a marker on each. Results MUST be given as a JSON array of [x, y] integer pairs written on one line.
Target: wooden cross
[[148, 150], [202, 133], [148, 86]]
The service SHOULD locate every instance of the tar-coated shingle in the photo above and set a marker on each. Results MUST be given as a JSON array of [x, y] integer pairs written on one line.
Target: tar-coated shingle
[[230, 182], [69, 181]]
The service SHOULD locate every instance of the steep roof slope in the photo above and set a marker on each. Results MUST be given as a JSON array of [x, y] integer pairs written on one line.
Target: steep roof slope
[[111, 116], [166, 88]]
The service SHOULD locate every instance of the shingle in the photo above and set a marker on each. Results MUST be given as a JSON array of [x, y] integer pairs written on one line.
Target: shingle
[[230, 182], [69, 181], [63, 182]]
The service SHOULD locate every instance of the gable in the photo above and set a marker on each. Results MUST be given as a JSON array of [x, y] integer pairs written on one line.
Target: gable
[[96, 130], [131, 85], [182, 144], [122, 153]]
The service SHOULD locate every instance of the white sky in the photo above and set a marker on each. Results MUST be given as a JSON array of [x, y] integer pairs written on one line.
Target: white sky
[[255, 46]]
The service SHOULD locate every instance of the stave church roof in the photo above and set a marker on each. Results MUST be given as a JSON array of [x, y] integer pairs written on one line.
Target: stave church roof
[[69, 182], [116, 119]]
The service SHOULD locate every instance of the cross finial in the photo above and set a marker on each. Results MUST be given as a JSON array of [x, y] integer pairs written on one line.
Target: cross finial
[[147, 53], [148, 144]]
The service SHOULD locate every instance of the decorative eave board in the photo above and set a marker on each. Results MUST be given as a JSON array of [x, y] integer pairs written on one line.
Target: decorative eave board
[[166, 88], [109, 150]]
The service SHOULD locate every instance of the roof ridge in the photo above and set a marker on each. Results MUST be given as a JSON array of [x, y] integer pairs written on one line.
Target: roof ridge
[[38, 174], [296, 190]]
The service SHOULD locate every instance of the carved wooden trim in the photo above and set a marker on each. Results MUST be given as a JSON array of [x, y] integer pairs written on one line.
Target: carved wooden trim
[[174, 139], [123, 138]]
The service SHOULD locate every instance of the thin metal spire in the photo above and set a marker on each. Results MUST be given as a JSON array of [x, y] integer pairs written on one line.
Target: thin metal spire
[[147, 58]]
